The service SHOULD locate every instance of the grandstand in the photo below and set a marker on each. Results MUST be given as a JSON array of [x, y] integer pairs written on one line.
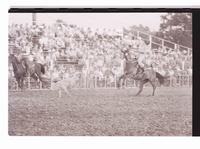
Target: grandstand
[[62, 46]]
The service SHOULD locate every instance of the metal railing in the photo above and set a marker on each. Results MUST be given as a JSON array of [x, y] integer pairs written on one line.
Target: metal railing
[[156, 42]]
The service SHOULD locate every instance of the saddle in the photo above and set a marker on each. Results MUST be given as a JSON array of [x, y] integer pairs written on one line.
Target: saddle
[[142, 71]]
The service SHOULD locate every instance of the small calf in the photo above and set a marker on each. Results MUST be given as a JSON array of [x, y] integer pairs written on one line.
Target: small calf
[[64, 85]]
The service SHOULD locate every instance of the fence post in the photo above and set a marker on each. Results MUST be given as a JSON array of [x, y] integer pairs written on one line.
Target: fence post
[[40, 85], [85, 81], [188, 50], [95, 81], [105, 82], [51, 79], [134, 84], [176, 47], [170, 81], [115, 78], [182, 80], [188, 78], [29, 83]]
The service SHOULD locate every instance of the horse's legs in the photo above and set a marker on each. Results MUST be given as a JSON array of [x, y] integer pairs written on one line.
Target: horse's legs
[[153, 83], [142, 82], [123, 81], [119, 81], [22, 83], [34, 76], [19, 83], [123, 78], [38, 77]]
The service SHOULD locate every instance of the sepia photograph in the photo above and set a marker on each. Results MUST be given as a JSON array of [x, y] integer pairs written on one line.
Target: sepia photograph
[[100, 74]]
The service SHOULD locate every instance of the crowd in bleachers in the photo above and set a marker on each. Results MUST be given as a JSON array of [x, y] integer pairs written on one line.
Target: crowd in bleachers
[[98, 51]]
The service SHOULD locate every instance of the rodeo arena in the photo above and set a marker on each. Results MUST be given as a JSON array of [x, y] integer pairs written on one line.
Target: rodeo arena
[[68, 80]]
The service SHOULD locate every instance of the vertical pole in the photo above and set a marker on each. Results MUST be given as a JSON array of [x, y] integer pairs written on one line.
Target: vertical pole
[[150, 41], [170, 81], [188, 52], [95, 82], [163, 42], [176, 47], [40, 85], [29, 84], [85, 81], [115, 79], [34, 18], [105, 82]]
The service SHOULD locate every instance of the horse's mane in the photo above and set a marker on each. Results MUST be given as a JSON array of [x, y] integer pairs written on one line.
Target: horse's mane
[[24, 61]]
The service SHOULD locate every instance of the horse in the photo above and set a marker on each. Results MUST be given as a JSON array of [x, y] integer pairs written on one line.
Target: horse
[[18, 69], [133, 70], [34, 69]]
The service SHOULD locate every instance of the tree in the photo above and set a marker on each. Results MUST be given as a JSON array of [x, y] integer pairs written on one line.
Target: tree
[[132, 30], [141, 28], [177, 27]]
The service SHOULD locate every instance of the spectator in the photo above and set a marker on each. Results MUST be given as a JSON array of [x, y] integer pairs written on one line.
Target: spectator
[[97, 51]]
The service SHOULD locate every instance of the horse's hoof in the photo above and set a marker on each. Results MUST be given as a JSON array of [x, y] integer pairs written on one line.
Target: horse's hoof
[[118, 87]]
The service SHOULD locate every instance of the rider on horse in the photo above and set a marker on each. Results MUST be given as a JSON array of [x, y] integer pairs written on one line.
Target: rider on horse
[[140, 68], [140, 54], [144, 55]]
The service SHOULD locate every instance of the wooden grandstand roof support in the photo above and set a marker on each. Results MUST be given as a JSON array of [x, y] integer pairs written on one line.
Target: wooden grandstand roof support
[[34, 18]]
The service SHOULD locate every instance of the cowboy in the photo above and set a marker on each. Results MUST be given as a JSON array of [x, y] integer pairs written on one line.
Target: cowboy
[[144, 55], [148, 60]]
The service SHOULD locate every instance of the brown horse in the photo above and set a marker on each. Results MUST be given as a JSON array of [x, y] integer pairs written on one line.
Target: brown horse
[[18, 69], [133, 70], [33, 69]]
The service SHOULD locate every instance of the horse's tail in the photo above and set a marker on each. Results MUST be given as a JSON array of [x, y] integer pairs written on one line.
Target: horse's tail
[[42, 69], [161, 78]]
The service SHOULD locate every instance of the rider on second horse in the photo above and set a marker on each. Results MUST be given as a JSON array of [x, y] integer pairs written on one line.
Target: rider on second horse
[[144, 55], [131, 58]]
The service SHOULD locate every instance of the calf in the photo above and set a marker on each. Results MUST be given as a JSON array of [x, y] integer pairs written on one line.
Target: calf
[[64, 85]]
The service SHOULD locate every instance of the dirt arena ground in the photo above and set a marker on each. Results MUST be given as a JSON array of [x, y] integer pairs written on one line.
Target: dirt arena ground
[[102, 112]]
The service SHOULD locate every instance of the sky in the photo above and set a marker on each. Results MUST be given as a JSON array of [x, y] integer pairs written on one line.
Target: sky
[[93, 20]]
